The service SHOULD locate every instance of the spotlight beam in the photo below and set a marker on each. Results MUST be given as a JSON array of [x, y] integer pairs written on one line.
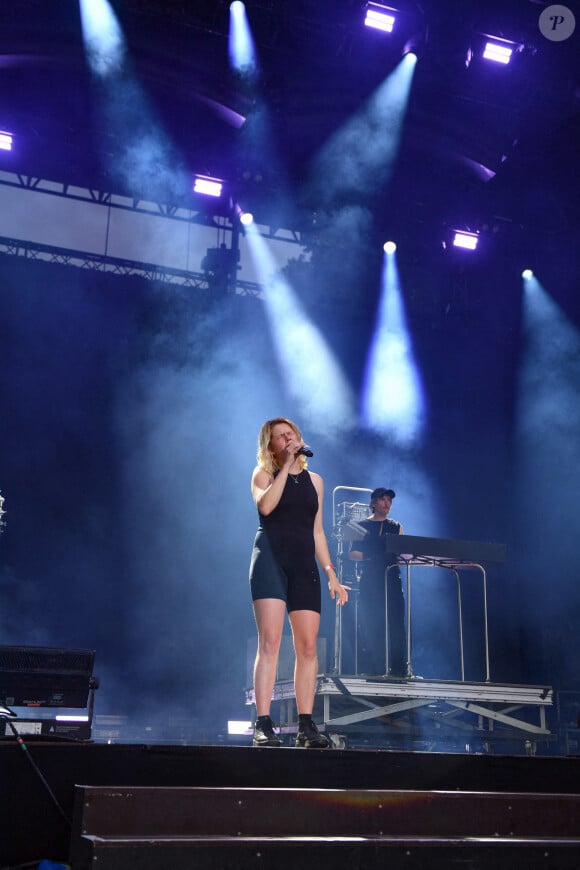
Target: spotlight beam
[[392, 401], [359, 158], [102, 36], [312, 376], [241, 44]]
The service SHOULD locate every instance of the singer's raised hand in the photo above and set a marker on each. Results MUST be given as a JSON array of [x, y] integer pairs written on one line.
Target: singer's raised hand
[[291, 451]]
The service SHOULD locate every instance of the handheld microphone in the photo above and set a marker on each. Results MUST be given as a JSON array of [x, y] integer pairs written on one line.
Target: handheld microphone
[[305, 451]]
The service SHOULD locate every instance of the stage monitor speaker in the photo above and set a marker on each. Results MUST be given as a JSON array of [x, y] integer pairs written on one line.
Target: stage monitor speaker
[[45, 677]]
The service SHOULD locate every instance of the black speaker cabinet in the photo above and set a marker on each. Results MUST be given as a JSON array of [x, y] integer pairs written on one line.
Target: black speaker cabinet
[[45, 677]]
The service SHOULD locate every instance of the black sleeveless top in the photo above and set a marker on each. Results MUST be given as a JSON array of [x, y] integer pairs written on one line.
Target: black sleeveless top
[[283, 563], [294, 514]]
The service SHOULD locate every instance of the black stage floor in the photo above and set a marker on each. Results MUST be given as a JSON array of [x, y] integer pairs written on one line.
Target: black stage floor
[[32, 827]]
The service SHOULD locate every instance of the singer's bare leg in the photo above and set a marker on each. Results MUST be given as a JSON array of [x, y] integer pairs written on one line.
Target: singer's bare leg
[[305, 625], [269, 614]]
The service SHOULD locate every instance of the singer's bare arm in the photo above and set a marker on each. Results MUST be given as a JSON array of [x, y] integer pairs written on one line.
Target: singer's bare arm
[[266, 489], [336, 589]]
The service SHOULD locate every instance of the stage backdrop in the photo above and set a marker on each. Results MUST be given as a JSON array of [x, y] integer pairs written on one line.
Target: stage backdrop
[[129, 415]]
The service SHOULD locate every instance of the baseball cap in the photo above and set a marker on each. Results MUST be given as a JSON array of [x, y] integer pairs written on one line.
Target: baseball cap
[[380, 492]]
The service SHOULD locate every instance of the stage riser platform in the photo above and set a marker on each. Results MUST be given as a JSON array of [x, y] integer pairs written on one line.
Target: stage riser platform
[[308, 855], [31, 827], [224, 812], [164, 827]]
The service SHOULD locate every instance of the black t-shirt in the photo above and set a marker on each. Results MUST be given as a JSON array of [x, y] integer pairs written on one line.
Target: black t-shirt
[[372, 545]]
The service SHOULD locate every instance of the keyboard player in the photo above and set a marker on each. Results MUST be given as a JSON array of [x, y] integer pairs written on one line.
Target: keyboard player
[[369, 551]]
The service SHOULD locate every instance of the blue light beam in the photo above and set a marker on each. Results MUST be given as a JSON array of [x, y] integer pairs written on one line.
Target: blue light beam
[[547, 460], [312, 376], [360, 156], [392, 401], [240, 43], [102, 36], [139, 155], [548, 407]]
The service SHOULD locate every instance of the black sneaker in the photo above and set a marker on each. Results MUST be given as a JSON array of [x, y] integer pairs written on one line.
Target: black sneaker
[[264, 733], [310, 737]]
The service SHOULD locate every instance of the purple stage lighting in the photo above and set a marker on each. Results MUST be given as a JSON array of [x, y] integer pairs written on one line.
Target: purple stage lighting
[[498, 52], [208, 186], [465, 240], [380, 17], [5, 141]]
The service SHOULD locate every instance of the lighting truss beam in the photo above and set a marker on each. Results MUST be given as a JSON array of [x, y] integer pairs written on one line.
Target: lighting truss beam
[[105, 263]]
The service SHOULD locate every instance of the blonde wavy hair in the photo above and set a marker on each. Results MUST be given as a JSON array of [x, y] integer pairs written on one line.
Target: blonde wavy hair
[[265, 457]]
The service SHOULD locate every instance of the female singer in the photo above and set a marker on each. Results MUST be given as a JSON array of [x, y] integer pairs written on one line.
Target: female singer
[[284, 575]]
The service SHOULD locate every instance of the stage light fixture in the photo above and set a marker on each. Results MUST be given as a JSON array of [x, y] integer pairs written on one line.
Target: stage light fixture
[[493, 48], [380, 17], [414, 46], [245, 217], [208, 186], [389, 247], [527, 274], [498, 52], [6, 140], [466, 240]]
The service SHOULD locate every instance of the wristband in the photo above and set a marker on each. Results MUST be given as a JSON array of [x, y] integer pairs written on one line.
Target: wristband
[[328, 567]]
